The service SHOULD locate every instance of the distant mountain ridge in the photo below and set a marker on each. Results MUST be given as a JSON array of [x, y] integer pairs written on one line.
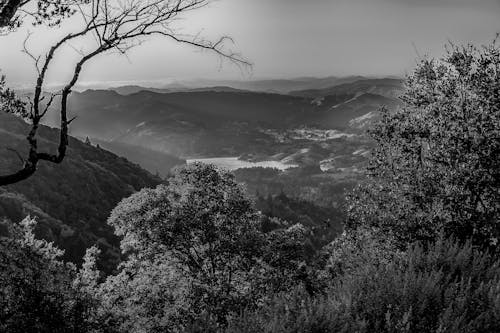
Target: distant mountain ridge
[[387, 87], [278, 86], [316, 123], [221, 121], [156, 162], [129, 90]]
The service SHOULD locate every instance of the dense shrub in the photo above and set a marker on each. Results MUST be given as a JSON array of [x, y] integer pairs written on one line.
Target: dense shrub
[[446, 288], [357, 248]]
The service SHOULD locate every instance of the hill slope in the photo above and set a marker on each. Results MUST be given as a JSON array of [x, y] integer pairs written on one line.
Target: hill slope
[[72, 200], [280, 86], [217, 123], [385, 87], [154, 161]]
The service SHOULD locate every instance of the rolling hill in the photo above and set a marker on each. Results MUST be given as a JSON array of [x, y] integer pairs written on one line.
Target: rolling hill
[[71, 201], [185, 124], [154, 161], [133, 89], [316, 128], [279, 86], [387, 87], [221, 121]]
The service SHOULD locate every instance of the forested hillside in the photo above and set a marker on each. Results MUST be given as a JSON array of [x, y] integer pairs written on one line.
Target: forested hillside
[[71, 201], [156, 162]]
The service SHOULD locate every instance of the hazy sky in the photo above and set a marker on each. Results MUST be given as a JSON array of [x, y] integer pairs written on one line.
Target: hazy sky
[[285, 38]]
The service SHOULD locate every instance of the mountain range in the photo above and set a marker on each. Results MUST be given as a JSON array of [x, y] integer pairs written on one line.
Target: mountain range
[[223, 120], [280, 86], [134, 129], [388, 87]]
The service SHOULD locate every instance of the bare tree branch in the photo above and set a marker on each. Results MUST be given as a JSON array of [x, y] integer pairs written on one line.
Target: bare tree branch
[[116, 25], [25, 50]]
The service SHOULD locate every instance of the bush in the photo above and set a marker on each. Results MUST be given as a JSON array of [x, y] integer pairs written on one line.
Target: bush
[[357, 248], [446, 288], [36, 288]]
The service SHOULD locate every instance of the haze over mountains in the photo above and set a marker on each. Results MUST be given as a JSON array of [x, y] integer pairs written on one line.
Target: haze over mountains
[[270, 85], [311, 122], [210, 119], [278, 86], [315, 124]]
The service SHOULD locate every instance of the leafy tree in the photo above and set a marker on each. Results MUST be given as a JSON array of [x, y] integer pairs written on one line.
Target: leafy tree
[[37, 292], [194, 251], [356, 248], [287, 262], [204, 226], [436, 167], [144, 296], [8, 99]]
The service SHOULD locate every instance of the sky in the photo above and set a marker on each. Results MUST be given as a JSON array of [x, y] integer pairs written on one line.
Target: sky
[[282, 38]]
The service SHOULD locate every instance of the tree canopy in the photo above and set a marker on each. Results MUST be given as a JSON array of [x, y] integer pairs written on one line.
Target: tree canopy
[[436, 166], [37, 292], [200, 238]]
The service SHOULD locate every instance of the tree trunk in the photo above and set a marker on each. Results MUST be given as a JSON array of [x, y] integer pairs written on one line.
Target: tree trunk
[[8, 9]]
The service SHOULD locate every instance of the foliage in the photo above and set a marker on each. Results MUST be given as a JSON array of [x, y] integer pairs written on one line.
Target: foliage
[[287, 261], [357, 248], [48, 12], [324, 223], [303, 184], [70, 201], [199, 238], [9, 102], [37, 293], [436, 167], [145, 296], [446, 288]]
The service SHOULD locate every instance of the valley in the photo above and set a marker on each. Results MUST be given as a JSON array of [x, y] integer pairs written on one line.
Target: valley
[[296, 152], [297, 127], [265, 166], [235, 163], [308, 128], [309, 145]]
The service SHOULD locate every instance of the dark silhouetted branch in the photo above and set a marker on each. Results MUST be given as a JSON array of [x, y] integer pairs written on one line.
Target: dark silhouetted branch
[[115, 25]]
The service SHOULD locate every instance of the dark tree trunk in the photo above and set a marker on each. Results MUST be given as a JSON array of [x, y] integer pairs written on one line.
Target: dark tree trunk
[[8, 9]]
